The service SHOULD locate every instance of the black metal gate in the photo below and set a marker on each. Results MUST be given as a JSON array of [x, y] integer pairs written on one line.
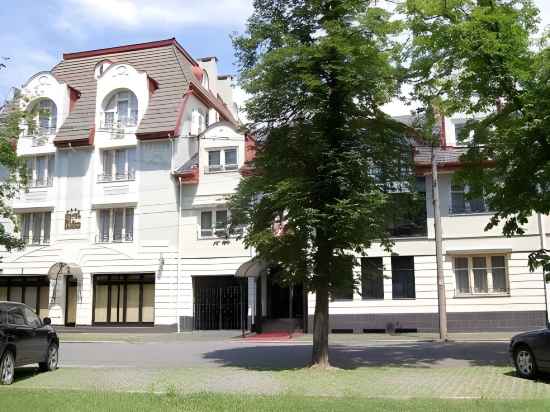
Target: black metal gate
[[219, 302]]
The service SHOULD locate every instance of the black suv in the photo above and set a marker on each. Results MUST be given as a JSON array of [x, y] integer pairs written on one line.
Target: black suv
[[25, 339]]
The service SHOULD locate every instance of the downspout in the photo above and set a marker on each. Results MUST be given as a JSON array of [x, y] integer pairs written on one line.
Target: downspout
[[178, 266]]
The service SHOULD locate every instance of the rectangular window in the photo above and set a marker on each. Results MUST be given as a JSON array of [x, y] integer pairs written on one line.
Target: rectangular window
[[480, 275], [231, 159], [344, 288], [118, 165], [36, 227], [461, 203], [372, 279], [116, 225], [403, 281], [40, 170], [215, 223], [222, 160]]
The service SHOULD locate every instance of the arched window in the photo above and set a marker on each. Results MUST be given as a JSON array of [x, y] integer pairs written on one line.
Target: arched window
[[46, 116], [205, 80], [121, 110]]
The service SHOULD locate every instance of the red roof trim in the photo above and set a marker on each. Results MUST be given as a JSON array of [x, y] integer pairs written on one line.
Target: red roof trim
[[165, 134], [209, 100], [131, 47]]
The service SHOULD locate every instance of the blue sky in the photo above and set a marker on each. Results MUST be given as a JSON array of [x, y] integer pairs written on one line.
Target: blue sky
[[36, 33]]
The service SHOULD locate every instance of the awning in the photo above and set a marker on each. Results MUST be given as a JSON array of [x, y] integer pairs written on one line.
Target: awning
[[252, 269]]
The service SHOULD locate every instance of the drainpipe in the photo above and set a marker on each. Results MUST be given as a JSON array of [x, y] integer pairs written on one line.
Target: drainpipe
[[178, 266], [542, 234]]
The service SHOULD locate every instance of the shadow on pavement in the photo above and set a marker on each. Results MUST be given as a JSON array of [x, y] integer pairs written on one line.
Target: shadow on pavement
[[422, 355]]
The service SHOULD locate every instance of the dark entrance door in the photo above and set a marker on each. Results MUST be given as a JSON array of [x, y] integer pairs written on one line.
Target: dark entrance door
[[220, 302], [278, 304], [70, 301]]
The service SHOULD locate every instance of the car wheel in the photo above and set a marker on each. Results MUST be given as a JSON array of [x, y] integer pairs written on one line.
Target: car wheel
[[7, 368], [526, 366], [51, 360]]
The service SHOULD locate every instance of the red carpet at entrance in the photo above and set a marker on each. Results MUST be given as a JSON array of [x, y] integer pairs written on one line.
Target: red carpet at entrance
[[271, 336]]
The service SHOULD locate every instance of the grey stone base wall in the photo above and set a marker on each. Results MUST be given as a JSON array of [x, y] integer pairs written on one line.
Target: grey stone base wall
[[429, 322], [186, 323]]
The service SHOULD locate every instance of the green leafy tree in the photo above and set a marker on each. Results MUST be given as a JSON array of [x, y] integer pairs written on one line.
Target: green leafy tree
[[13, 171], [483, 56], [327, 159]]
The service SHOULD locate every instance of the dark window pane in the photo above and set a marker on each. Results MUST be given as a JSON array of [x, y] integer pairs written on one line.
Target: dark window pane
[[372, 278], [403, 283], [343, 285]]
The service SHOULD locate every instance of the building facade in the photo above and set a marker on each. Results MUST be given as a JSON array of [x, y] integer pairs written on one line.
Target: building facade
[[134, 154]]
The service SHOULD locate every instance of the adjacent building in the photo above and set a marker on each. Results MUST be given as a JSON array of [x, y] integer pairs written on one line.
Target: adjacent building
[[135, 152]]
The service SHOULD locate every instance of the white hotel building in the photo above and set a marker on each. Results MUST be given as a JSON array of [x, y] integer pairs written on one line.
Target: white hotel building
[[130, 171]]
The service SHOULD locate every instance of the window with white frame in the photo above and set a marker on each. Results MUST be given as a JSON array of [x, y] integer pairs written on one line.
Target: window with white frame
[[461, 203], [480, 275], [118, 164], [198, 121], [40, 170], [46, 117], [120, 111], [205, 80], [36, 227], [216, 223], [222, 160], [115, 225]]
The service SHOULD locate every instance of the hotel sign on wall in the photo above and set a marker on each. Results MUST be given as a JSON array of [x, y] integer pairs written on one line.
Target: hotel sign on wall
[[72, 219]]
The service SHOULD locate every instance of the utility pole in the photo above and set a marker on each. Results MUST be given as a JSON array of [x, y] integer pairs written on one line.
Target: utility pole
[[441, 298], [542, 234]]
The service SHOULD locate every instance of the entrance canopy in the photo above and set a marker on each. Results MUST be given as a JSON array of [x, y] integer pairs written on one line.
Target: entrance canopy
[[61, 269], [252, 269]]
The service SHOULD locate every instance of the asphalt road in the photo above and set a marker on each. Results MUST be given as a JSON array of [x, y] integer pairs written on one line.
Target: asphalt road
[[260, 356]]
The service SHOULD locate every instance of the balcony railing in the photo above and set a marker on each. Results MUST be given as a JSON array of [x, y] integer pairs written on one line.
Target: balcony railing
[[114, 238], [221, 168], [119, 177], [118, 124], [483, 291], [468, 208], [36, 240], [207, 233], [43, 182]]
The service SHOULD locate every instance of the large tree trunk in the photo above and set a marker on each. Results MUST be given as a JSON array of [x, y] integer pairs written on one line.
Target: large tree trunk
[[319, 356]]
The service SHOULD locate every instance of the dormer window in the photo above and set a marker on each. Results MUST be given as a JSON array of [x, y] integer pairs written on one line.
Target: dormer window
[[121, 111], [205, 80], [198, 122], [46, 118]]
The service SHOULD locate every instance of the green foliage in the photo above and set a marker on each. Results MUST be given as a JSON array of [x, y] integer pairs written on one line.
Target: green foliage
[[318, 72], [481, 56], [13, 168]]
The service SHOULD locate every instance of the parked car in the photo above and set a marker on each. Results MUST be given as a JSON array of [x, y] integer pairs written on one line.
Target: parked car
[[25, 339], [530, 352]]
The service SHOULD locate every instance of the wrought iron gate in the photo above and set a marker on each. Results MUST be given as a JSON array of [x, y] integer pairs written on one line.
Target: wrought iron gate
[[220, 304]]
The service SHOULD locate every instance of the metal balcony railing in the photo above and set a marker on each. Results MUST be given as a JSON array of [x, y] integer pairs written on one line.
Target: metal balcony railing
[[221, 168], [468, 209], [116, 124], [476, 291], [41, 182], [221, 232], [114, 237], [118, 177], [36, 240]]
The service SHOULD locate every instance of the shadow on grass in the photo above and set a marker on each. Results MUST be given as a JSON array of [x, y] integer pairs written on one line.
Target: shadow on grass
[[26, 372], [421, 355]]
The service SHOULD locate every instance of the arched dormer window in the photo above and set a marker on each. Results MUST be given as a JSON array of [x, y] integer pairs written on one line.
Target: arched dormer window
[[205, 80], [46, 117], [120, 110]]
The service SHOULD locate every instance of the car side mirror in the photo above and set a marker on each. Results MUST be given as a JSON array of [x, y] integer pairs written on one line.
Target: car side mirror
[[47, 321]]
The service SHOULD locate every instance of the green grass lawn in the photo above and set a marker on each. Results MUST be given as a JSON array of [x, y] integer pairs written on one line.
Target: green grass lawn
[[36, 401]]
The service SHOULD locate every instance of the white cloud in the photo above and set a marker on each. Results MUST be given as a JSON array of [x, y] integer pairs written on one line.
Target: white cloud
[[133, 14]]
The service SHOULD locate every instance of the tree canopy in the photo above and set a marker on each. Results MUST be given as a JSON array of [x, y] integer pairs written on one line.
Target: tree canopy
[[328, 157], [486, 57]]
